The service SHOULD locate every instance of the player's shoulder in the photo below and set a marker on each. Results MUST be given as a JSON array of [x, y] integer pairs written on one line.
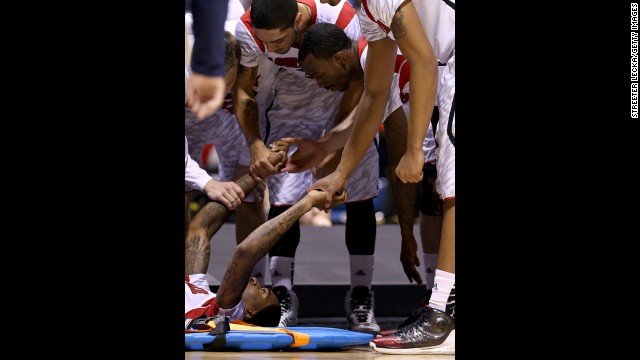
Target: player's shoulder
[[327, 13]]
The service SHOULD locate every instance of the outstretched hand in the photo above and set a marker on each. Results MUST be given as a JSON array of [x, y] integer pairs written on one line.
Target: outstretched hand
[[308, 154], [332, 184], [319, 196]]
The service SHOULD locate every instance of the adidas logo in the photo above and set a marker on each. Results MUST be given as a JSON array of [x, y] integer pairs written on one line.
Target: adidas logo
[[435, 287], [276, 273], [258, 275], [429, 271], [360, 273]]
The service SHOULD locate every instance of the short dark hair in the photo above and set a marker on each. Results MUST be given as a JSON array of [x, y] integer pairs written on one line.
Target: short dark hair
[[232, 51], [273, 14], [269, 316], [323, 40]]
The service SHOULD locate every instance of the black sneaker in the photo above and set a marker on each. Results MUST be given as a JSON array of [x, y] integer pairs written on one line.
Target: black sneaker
[[432, 332], [288, 306], [359, 304]]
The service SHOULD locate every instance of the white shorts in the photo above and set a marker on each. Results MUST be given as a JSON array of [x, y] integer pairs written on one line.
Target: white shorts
[[446, 134], [291, 106], [429, 143]]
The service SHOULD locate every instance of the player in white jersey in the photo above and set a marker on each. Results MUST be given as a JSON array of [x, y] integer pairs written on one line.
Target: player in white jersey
[[196, 178], [222, 130], [411, 25], [240, 296], [288, 104], [335, 61], [331, 59]]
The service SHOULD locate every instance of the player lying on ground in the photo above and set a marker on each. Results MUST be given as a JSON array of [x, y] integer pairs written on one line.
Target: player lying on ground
[[240, 296]]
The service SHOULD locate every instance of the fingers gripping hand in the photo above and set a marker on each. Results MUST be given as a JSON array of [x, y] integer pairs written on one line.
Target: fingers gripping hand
[[331, 184], [308, 154], [260, 167], [228, 193], [280, 147]]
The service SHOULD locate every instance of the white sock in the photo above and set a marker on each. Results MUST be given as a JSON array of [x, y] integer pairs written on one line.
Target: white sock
[[430, 263], [443, 283], [260, 270], [361, 270], [281, 271]]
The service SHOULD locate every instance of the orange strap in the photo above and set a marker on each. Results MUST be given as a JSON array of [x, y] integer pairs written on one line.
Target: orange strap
[[299, 339]]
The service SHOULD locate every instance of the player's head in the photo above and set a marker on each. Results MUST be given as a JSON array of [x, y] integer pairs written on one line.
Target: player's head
[[330, 2], [231, 59], [261, 305], [323, 56], [276, 23]]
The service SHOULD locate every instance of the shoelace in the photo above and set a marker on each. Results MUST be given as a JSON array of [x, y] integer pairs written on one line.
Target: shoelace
[[285, 303], [407, 324], [361, 308]]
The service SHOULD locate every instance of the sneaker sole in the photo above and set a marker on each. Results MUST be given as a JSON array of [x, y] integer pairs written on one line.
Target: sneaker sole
[[448, 347], [365, 330]]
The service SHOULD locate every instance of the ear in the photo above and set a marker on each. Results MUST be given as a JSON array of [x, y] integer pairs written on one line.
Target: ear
[[297, 23], [341, 58]]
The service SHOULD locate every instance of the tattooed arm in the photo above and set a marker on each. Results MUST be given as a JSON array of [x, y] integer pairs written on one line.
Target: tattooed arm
[[416, 48], [258, 244], [209, 220], [246, 110]]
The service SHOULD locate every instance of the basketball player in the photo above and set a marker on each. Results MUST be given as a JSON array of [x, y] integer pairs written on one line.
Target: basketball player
[[240, 296], [281, 102], [410, 25]]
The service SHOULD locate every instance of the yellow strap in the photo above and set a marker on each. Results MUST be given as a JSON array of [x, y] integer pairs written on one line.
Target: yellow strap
[[299, 339]]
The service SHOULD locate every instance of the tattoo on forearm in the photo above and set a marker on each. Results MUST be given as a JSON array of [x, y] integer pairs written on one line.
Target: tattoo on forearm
[[270, 232], [228, 282], [211, 217], [196, 254], [250, 112], [248, 72], [397, 25]]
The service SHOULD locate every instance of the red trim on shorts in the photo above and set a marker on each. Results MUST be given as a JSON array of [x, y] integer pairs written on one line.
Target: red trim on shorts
[[403, 70], [246, 20], [449, 198]]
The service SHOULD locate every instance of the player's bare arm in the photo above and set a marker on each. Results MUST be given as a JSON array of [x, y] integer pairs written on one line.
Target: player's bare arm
[[368, 115], [258, 244], [395, 129], [416, 48], [246, 109]]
